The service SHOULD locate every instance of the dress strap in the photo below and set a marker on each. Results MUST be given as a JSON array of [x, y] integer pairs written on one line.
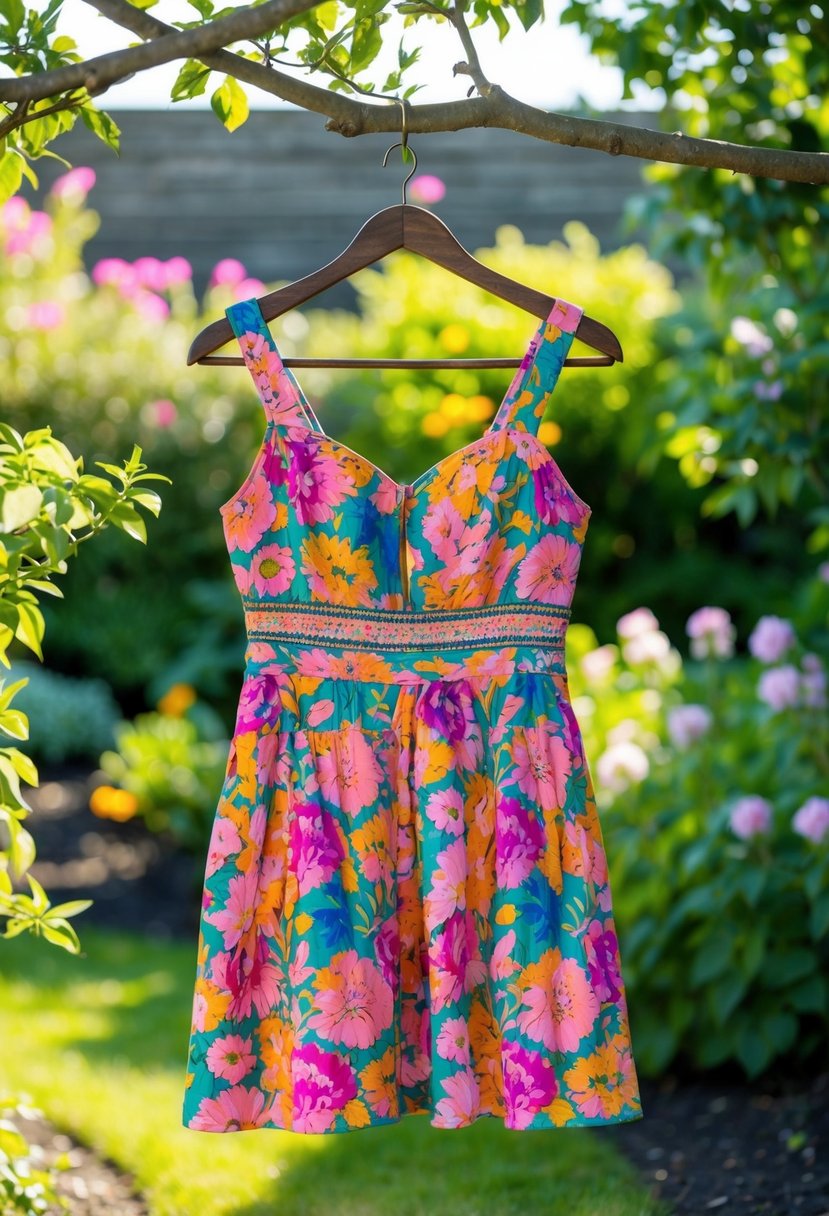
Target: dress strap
[[283, 399], [526, 398]]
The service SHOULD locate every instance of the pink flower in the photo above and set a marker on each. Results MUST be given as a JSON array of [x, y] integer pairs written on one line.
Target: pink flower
[[248, 289], [560, 1016], [272, 570], [316, 847], [543, 765], [448, 891], [251, 516], [768, 391], [426, 188], [823, 572], [151, 273], [224, 842], [45, 315], [622, 765], [548, 572], [163, 412], [779, 687], [229, 272], [462, 1102], [235, 917], [751, 336], [635, 623], [230, 1058], [711, 632], [113, 271], [75, 184], [813, 682], [750, 816], [529, 1084], [519, 842], [453, 1040], [24, 227], [151, 306], [349, 774], [232, 1110], [812, 819], [446, 811], [687, 723], [354, 1001], [771, 638], [178, 270]]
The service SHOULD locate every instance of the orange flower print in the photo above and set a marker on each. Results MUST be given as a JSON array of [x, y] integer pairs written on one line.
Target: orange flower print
[[336, 573], [549, 570], [248, 518]]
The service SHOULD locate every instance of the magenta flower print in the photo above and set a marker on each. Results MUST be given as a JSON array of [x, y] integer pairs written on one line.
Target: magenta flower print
[[231, 1057], [602, 950], [251, 977], [259, 702], [519, 842], [552, 502], [316, 847], [354, 1001], [529, 1084], [324, 1083], [549, 570]]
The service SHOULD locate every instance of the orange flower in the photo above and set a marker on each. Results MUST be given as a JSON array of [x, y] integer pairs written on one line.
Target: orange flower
[[176, 700], [107, 802]]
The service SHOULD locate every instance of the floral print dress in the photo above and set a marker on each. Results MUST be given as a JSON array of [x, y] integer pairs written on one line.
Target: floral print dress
[[406, 907]]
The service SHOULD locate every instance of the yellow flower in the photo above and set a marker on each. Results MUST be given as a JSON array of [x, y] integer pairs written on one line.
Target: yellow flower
[[505, 915], [454, 338], [107, 802], [176, 700]]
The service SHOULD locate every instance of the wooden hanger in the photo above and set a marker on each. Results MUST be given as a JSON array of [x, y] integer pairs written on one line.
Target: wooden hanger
[[406, 227]]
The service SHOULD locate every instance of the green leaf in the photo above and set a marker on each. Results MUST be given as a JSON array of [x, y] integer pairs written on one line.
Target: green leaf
[[753, 1051], [61, 933], [14, 722], [230, 103], [20, 506], [810, 996], [102, 125], [71, 908], [712, 959], [11, 172], [191, 80], [126, 518], [819, 917], [30, 627], [783, 968]]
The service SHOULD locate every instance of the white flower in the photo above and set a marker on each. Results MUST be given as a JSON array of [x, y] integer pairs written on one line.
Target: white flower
[[635, 623], [647, 648], [711, 632], [622, 765], [597, 663]]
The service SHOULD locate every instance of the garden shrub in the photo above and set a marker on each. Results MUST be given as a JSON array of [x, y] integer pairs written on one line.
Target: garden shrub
[[712, 776]]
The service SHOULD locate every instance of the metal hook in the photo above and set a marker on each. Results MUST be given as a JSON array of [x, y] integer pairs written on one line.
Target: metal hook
[[404, 144]]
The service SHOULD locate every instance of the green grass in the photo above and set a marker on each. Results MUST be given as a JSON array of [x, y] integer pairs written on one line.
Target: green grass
[[99, 1042]]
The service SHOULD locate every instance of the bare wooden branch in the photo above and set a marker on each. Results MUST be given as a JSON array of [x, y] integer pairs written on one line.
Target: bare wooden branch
[[351, 116]]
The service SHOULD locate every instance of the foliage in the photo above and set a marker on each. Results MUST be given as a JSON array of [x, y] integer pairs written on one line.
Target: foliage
[[68, 718], [170, 764], [744, 413], [703, 769], [26, 1189], [48, 507]]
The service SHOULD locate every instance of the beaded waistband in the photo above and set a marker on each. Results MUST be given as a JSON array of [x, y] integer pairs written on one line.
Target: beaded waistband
[[397, 631]]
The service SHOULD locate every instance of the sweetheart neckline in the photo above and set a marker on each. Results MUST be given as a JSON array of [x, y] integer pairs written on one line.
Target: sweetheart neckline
[[412, 488]]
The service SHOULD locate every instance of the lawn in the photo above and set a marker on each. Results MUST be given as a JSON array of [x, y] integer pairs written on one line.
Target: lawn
[[99, 1042]]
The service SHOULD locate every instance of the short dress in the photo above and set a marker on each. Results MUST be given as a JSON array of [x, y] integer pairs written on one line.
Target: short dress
[[407, 907]]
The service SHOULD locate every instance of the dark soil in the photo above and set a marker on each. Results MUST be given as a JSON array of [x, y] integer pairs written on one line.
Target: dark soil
[[713, 1144]]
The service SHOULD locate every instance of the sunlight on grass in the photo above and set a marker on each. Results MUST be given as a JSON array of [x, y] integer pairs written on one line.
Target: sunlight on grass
[[100, 1041]]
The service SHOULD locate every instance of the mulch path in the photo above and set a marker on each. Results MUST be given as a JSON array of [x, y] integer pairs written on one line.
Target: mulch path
[[705, 1145]]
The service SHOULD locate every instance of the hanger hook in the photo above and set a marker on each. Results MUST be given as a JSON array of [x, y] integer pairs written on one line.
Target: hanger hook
[[404, 144]]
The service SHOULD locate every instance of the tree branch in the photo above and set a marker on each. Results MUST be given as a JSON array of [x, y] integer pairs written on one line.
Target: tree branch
[[96, 75], [351, 117]]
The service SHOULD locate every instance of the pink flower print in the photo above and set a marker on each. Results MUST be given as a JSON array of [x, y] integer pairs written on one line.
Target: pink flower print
[[543, 765], [446, 811], [250, 976], [224, 842], [248, 518], [561, 1015], [349, 774], [260, 702], [230, 1058], [316, 847], [529, 1084], [235, 917], [475, 547], [354, 1001], [233, 1110], [323, 1084], [552, 502], [502, 964], [462, 1102], [519, 842], [298, 969], [443, 526], [453, 1040], [548, 573], [448, 963], [601, 947], [272, 570], [448, 891]]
